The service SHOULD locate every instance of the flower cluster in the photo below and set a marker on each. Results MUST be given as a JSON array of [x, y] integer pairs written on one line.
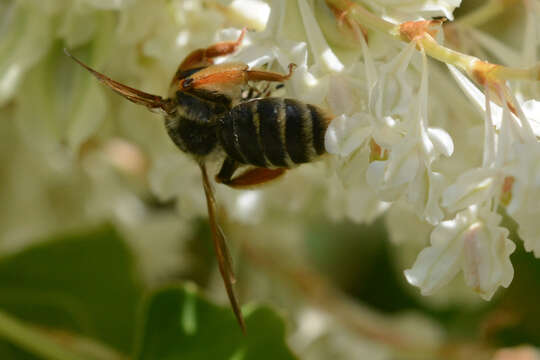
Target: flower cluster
[[405, 138], [403, 135]]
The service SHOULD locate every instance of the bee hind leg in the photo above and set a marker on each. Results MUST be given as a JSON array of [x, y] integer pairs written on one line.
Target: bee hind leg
[[249, 178]]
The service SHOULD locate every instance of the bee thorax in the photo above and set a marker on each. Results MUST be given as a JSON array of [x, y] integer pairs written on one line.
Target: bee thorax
[[193, 126]]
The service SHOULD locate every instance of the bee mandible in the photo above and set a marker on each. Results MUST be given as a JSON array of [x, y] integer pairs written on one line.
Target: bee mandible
[[205, 115]]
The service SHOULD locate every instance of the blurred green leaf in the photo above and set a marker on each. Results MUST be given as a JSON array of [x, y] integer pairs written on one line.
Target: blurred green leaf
[[179, 324], [82, 283]]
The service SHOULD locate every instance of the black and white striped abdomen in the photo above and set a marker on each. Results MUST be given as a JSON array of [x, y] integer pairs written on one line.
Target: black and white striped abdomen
[[273, 132]]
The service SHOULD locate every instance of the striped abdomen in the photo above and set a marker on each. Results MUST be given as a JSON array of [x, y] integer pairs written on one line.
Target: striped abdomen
[[273, 132]]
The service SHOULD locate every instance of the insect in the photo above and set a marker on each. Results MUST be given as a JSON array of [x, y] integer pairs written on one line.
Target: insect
[[206, 115]]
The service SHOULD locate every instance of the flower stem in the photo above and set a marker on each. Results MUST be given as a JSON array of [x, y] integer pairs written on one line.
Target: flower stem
[[446, 55], [357, 13], [33, 341]]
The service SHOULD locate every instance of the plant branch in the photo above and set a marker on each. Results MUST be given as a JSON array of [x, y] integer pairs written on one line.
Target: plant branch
[[33, 341], [53, 344]]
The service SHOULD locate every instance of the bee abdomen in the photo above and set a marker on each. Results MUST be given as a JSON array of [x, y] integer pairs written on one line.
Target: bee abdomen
[[273, 132]]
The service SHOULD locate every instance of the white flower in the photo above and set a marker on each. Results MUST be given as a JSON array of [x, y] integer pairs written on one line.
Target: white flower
[[345, 134], [324, 56], [351, 197], [408, 167], [475, 186], [427, 204], [473, 243], [510, 171], [310, 82], [392, 92], [523, 125]]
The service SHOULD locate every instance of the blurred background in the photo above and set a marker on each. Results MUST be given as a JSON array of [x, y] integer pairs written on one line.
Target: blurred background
[[105, 248]]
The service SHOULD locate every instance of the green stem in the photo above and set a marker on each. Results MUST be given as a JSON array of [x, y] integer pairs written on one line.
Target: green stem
[[446, 55], [33, 341]]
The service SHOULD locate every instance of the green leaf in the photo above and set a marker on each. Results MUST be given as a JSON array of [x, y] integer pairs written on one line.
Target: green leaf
[[179, 324], [84, 283]]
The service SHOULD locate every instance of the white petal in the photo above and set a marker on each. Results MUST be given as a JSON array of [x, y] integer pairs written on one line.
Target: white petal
[[442, 141], [400, 11], [439, 263], [341, 99], [386, 132], [347, 133], [487, 250], [424, 195], [255, 10], [417, 192], [433, 212], [476, 95], [352, 169], [375, 173], [317, 42], [531, 108], [391, 94], [529, 230], [402, 166], [473, 187]]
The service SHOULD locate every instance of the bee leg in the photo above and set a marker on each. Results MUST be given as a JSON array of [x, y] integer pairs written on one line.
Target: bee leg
[[266, 91], [261, 75], [253, 177], [220, 247], [227, 170], [235, 75], [204, 57]]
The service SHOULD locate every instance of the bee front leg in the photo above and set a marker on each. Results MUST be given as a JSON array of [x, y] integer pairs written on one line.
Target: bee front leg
[[261, 75], [204, 57]]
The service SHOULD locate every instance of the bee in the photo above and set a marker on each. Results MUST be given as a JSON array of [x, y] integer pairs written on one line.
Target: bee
[[258, 137]]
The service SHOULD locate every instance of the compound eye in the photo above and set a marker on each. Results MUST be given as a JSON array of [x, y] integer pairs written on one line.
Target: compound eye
[[187, 83]]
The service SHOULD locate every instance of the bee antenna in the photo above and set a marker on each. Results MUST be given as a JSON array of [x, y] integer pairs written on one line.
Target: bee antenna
[[153, 102]]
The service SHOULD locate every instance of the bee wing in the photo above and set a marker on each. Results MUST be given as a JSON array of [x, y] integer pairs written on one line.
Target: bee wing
[[220, 246], [153, 102]]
